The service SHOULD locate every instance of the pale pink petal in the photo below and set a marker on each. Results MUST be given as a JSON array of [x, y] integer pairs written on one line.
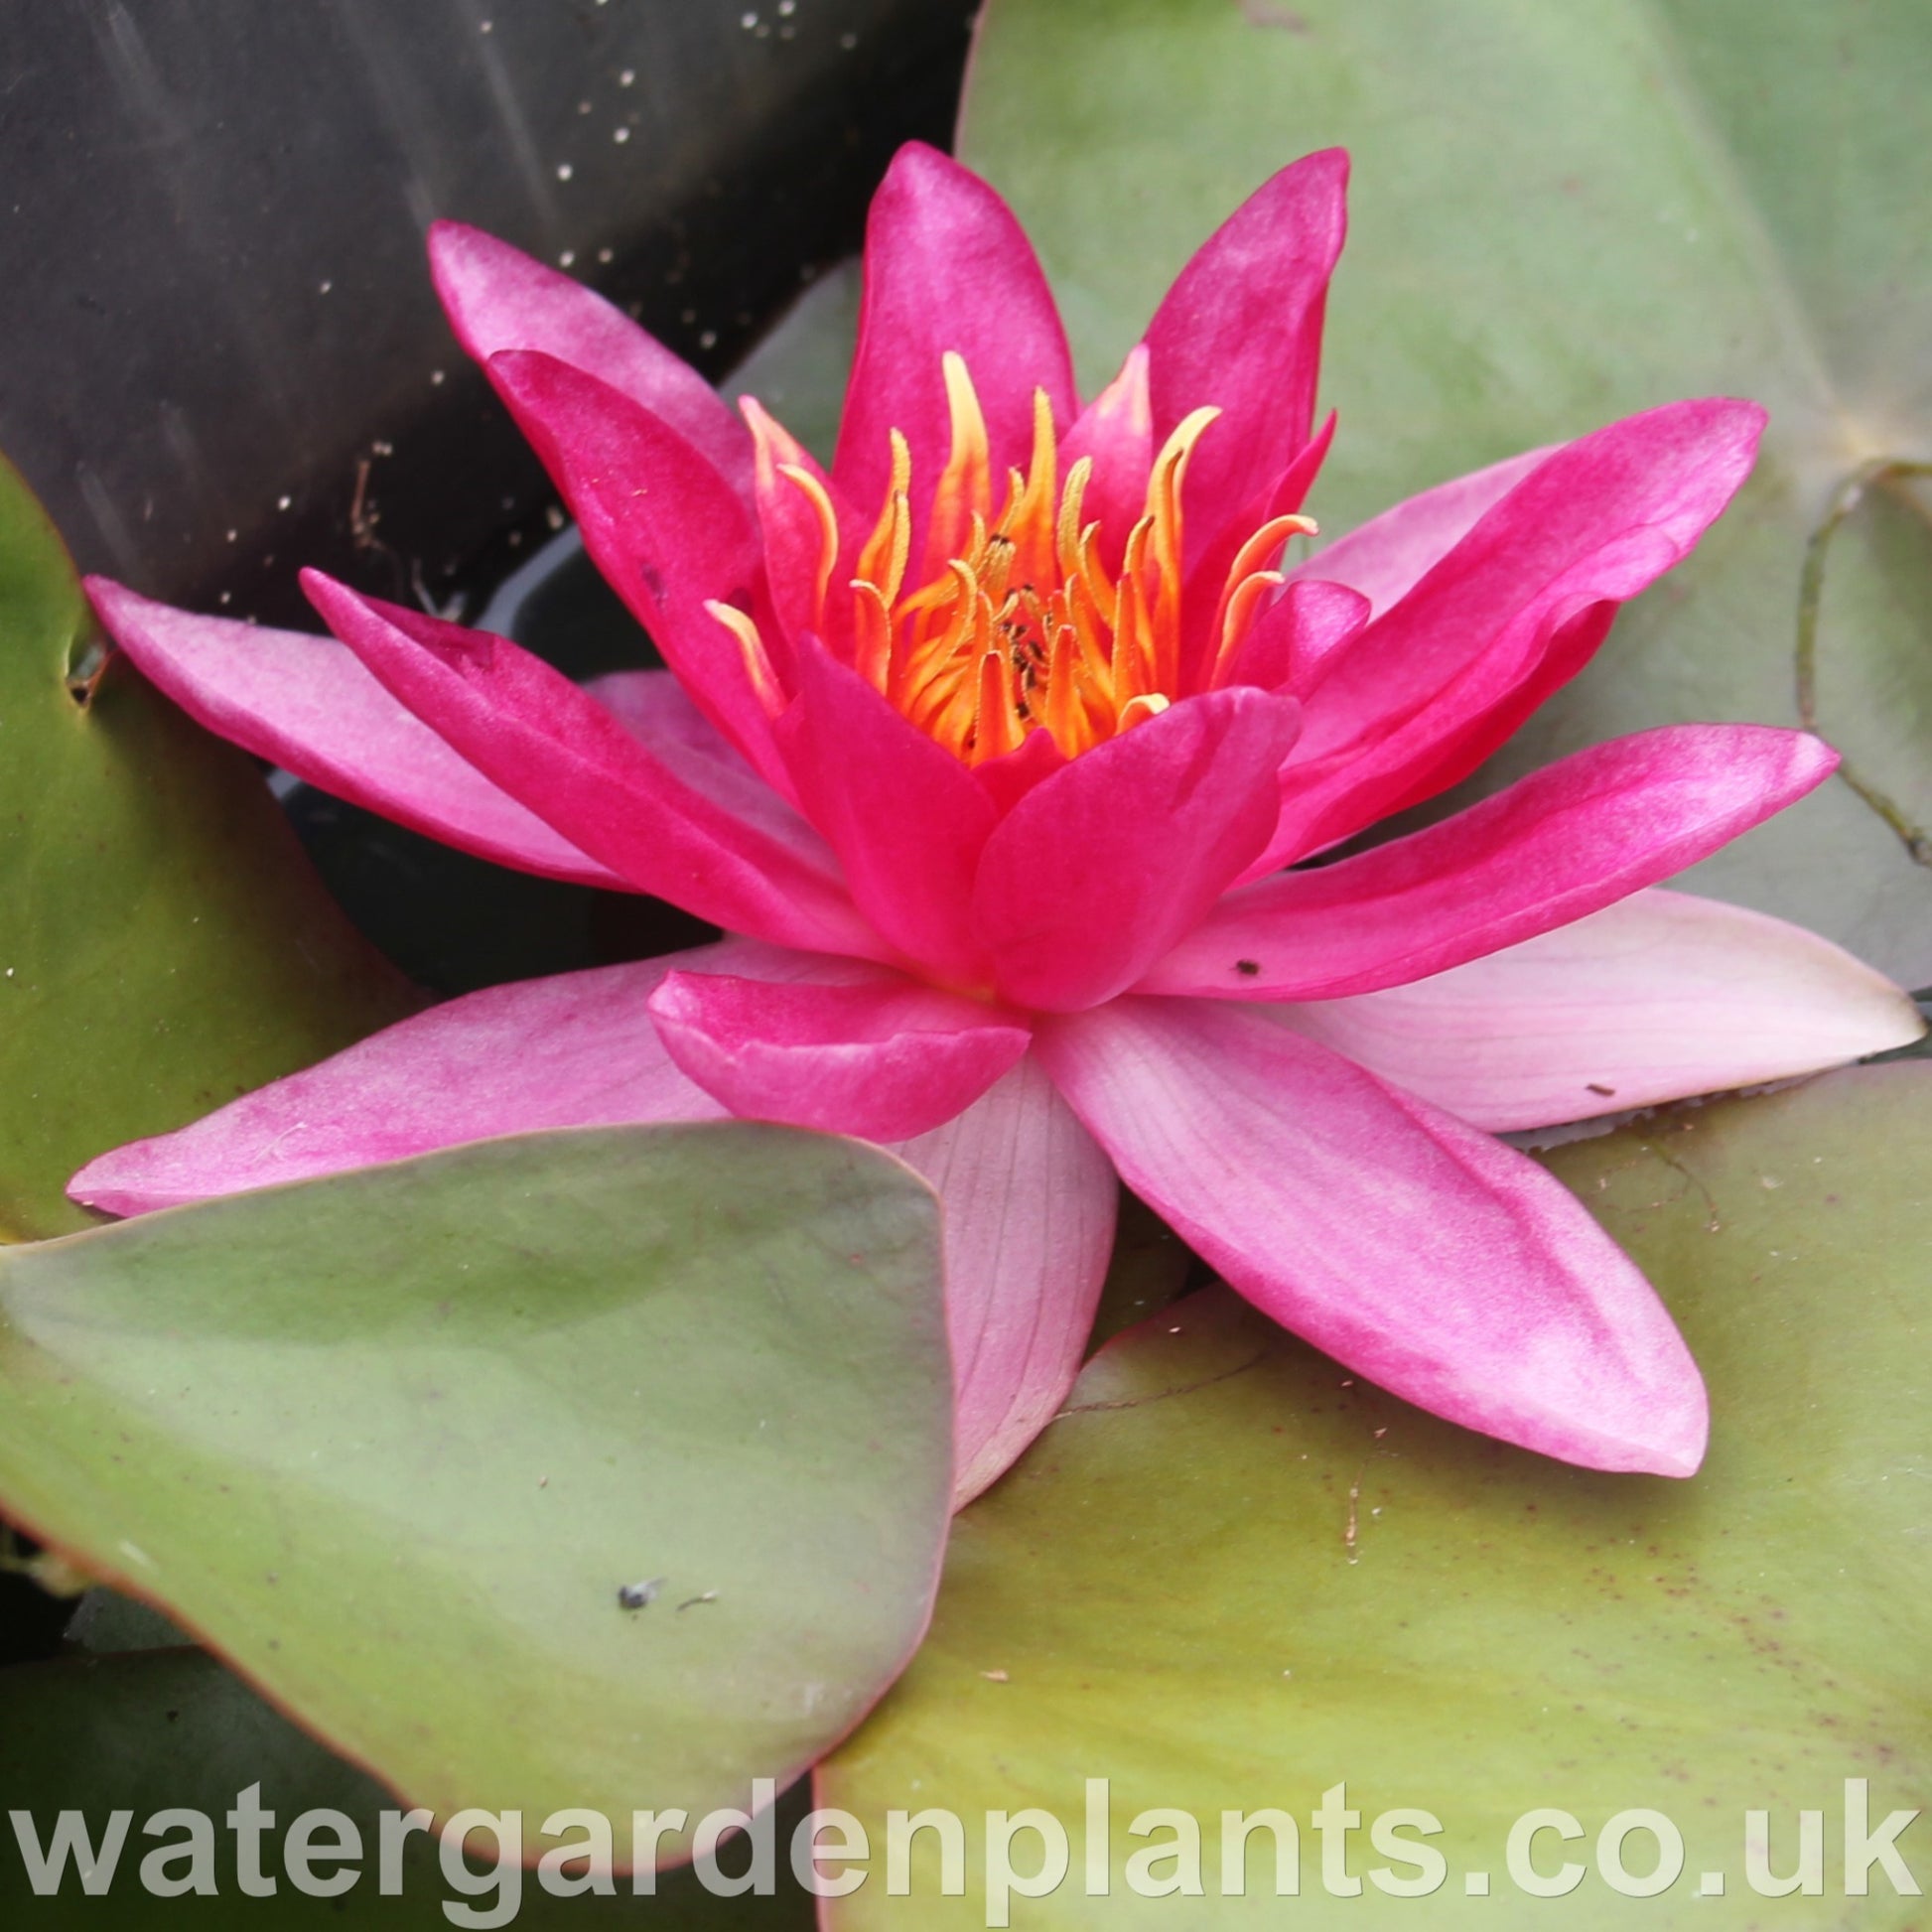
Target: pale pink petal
[[1241, 329], [1028, 1205], [498, 299], [908, 820], [1651, 999], [1563, 842], [1101, 867], [886, 1059], [667, 533], [557, 750], [1419, 1252], [947, 267], [579, 1049], [306, 703]]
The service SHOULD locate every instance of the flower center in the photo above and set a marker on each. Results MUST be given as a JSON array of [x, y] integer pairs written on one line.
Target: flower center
[[1012, 624]]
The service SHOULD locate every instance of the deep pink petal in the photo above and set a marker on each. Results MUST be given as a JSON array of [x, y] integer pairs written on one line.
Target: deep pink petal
[[795, 543], [1651, 999], [576, 1051], [1563, 842], [886, 1058], [1294, 641], [1115, 433], [1101, 868], [1513, 611], [661, 525], [658, 713], [1669, 472], [1212, 563], [557, 750], [1419, 1252], [1241, 329], [1008, 779], [308, 704], [1028, 1205], [1386, 556], [908, 820], [498, 299], [947, 267]]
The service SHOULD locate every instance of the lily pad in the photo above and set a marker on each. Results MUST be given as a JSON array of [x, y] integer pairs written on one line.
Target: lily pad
[[1232, 1575], [164, 945], [1559, 215], [150, 1730], [600, 1468]]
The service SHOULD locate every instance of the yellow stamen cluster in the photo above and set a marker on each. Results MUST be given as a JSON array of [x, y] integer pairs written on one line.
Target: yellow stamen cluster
[[1011, 624]]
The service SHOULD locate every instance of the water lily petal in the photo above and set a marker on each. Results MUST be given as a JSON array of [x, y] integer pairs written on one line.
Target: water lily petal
[[579, 1049], [668, 532], [947, 267], [1241, 328], [654, 707], [1385, 557], [554, 747], [1654, 999], [1008, 779], [1418, 1251], [880, 1055], [1115, 433], [908, 820], [1211, 561], [791, 524], [1575, 836], [1101, 867], [1029, 1204], [1513, 611], [1295, 640], [308, 704], [498, 298]]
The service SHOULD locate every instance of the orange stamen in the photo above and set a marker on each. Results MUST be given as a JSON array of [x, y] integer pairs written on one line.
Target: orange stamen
[[1012, 624]]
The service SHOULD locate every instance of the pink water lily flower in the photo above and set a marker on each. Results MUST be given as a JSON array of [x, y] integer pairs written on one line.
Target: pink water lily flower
[[997, 748]]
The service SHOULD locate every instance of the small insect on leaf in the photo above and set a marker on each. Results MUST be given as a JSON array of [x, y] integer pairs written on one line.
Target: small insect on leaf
[[633, 1597]]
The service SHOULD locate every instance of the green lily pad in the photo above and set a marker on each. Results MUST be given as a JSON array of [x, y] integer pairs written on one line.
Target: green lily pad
[[1232, 1575], [1559, 215], [165, 945], [150, 1730], [394, 1443]]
